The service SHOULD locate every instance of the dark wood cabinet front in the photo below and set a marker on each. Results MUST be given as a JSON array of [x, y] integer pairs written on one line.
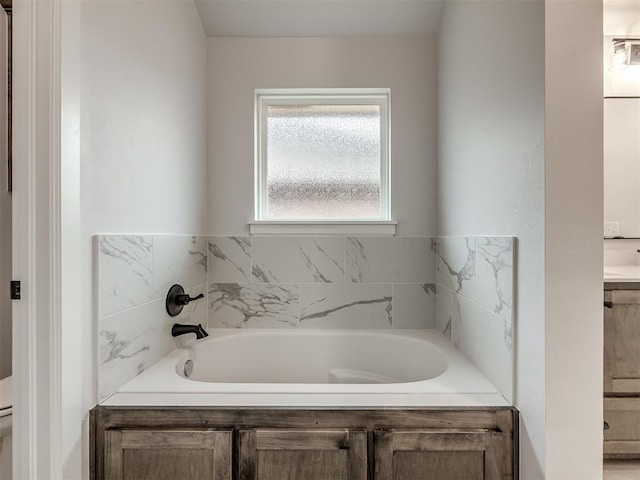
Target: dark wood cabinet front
[[167, 455], [622, 342], [438, 455], [298, 444], [622, 374], [302, 454]]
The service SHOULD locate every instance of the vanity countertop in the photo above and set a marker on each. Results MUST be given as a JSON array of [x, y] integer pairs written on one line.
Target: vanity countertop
[[626, 273]]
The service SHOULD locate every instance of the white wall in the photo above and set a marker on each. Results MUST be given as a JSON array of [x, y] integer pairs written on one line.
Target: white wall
[[521, 153], [143, 132], [491, 169], [573, 238], [5, 213], [407, 65]]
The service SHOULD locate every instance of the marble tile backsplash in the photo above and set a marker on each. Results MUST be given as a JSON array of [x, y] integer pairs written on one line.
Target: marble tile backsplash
[[463, 286], [134, 275], [321, 282], [475, 285], [253, 282]]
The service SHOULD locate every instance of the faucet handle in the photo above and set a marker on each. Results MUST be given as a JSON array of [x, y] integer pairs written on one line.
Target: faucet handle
[[177, 299], [184, 299]]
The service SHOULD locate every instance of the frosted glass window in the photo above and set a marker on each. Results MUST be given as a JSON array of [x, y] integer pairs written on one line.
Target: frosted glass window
[[323, 157]]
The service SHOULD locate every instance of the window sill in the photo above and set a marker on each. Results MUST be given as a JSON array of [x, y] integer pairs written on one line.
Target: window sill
[[322, 228]]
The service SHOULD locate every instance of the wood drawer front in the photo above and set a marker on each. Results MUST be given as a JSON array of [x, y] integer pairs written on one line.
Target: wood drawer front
[[625, 385], [439, 455], [167, 454], [282, 454], [623, 417], [622, 297]]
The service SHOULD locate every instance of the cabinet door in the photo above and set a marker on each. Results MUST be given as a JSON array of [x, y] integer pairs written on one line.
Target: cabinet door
[[167, 455], [622, 438], [302, 454], [622, 342], [440, 455]]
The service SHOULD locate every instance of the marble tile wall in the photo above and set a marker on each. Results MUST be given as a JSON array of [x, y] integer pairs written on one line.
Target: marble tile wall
[[134, 274], [475, 285], [304, 282], [321, 282]]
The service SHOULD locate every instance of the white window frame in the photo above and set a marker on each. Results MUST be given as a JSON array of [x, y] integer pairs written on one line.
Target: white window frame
[[326, 96]]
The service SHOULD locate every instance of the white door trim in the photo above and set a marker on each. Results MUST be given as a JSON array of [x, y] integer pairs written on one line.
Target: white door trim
[[40, 230]]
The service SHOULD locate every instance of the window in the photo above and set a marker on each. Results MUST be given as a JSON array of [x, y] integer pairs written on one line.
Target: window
[[322, 155]]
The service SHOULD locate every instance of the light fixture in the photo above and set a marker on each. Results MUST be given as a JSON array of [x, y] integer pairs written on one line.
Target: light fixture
[[623, 53]]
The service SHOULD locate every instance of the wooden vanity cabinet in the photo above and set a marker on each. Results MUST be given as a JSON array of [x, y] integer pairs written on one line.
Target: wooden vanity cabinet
[[438, 455], [622, 342], [312, 454], [283, 444], [622, 371], [167, 454]]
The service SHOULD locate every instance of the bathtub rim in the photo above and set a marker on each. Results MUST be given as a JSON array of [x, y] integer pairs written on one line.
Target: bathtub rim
[[461, 385]]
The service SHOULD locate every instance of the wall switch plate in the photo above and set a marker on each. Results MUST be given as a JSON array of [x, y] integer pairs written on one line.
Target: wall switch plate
[[611, 229]]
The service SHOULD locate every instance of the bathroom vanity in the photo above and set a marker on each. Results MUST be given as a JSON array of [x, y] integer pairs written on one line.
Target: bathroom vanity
[[137, 443], [622, 367]]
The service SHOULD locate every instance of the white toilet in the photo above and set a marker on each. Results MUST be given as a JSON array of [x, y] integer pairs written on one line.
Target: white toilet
[[6, 394]]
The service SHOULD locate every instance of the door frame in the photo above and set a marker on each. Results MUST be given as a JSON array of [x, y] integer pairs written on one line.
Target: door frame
[[47, 376]]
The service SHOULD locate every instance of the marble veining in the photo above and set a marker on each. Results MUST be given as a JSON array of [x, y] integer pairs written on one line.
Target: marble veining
[[134, 275], [414, 305], [340, 280], [229, 259], [316, 271], [178, 259], [131, 341], [357, 260], [480, 269], [456, 320], [444, 311], [345, 306], [233, 305], [494, 288], [114, 347], [463, 286], [508, 335], [390, 260], [475, 302], [456, 263], [298, 260], [136, 269], [482, 340], [125, 266]]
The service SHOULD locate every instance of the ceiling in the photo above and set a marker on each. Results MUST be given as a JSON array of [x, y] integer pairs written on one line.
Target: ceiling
[[318, 18]]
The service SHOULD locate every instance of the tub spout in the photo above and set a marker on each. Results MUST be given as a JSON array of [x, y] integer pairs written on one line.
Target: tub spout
[[179, 329]]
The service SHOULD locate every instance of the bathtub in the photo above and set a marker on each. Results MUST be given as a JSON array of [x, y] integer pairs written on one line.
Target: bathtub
[[341, 368]]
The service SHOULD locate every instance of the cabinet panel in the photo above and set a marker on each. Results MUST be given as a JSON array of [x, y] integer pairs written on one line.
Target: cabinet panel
[[266, 454], [302, 444], [623, 435], [438, 455], [167, 455], [622, 342]]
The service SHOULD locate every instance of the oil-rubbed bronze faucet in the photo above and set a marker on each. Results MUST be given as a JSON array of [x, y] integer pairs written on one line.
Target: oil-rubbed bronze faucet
[[179, 329], [177, 299]]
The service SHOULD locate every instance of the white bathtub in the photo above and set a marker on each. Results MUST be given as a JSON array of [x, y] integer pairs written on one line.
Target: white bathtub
[[354, 368]]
